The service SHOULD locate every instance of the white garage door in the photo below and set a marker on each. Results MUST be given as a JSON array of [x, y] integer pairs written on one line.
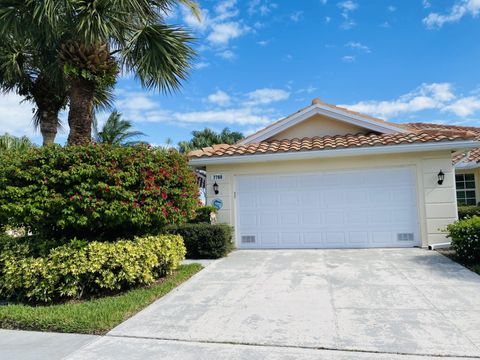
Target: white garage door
[[342, 209]]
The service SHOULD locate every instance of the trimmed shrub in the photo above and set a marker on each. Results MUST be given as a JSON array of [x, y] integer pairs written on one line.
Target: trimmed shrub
[[202, 214], [80, 268], [468, 211], [96, 191], [205, 241], [465, 235]]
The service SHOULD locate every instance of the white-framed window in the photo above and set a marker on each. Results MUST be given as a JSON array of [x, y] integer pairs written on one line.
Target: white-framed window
[[465, 184]]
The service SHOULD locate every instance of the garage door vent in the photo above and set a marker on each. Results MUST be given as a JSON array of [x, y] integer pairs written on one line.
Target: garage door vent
[[405, 237], [248, 239]]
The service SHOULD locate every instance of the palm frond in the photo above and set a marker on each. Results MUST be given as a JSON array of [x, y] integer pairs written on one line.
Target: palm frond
[[160, 56]]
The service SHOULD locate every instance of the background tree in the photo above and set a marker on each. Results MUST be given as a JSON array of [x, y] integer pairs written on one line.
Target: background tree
[[9, 142], [34, 73], [117, 131], [207, 137]]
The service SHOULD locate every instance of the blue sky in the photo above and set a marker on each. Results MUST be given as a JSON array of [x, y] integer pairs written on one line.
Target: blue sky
[[260, 60]]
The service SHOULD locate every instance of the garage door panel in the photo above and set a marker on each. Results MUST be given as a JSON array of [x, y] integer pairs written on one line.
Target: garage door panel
[[333, 198], [269, 239], [290, 238], [334, 217], [288, 199], [312, 238], [358, 208], [287, 182], [358, 238], [290, 218], [267, 199], [248, 201], [268, 219], [311, 218], [335, 238]]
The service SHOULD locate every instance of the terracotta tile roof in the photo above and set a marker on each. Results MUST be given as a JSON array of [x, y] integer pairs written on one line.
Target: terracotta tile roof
[[334, 107], [442, 127], [330, 143], [472, 156]]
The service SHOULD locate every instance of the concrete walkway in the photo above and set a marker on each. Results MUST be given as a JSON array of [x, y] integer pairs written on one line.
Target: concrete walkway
[[309, 304], [32, 345]]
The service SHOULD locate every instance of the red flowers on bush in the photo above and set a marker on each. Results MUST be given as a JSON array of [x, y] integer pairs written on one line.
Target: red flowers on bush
[[96, 190]]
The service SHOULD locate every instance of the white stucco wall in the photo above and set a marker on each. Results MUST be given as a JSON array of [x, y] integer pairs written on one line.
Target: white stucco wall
[[436, 203]]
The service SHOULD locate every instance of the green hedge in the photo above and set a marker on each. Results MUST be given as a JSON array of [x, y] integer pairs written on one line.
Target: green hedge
[[465, 235], [468, 211], [205, 241], [96, 191], [80, 269], [202, 214]]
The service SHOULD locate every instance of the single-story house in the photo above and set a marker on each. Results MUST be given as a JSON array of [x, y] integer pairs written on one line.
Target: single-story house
[[328, 177]]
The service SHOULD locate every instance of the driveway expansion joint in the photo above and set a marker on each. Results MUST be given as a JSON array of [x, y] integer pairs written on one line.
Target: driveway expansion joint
[[235, 343]]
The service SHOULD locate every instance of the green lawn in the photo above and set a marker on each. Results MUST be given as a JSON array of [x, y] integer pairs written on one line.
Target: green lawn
[[96, 316]]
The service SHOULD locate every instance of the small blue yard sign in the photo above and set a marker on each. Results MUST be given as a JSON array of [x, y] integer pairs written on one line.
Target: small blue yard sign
[[217, 203]]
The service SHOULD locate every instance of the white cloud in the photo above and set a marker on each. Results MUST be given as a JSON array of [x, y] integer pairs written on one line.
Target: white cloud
[[259, 7], [433, 96], [308, 90], [201, 65], [241, 116], [220, 98], [15, 117], [391, 8], [227, 54], [266, 96], [262, 42], [226, 9], [296, 16], [348, 5], [220, 26], [349, 58], [136, 101], [357, 46], [426, 4], [460, 9], [464, 107], [222, 33]]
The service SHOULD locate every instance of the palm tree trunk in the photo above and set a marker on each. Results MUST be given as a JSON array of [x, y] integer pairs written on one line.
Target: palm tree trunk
[[48, 125], [81, 112]]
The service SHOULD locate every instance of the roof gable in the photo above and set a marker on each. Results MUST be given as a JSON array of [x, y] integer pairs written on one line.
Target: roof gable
[[318, 108]]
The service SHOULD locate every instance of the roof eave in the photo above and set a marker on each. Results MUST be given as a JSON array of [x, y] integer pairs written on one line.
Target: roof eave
[[357, 151], [311, 110]]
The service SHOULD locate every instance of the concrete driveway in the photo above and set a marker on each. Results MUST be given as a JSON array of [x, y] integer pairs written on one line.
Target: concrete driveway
[[382, 304]]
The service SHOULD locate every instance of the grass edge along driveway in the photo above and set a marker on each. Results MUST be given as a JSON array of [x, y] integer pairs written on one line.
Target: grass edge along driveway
[[96, 316]]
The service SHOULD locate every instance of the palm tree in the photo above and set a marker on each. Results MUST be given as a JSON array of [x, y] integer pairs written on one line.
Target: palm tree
[[34, 73], [97, 38], [9, 142], [105, 36], [207, 137], [30, 66], [116, 131]]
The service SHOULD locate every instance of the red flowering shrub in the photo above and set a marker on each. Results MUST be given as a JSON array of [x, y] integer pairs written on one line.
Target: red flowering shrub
[[96, 191]]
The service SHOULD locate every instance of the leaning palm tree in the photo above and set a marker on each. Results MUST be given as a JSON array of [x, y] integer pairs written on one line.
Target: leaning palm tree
[[116, 131]]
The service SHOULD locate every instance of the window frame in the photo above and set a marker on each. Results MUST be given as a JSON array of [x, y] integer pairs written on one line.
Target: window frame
[[464, 186]]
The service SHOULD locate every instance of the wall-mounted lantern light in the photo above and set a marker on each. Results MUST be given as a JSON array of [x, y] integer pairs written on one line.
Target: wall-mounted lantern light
[[441, 177], [215, 188]]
